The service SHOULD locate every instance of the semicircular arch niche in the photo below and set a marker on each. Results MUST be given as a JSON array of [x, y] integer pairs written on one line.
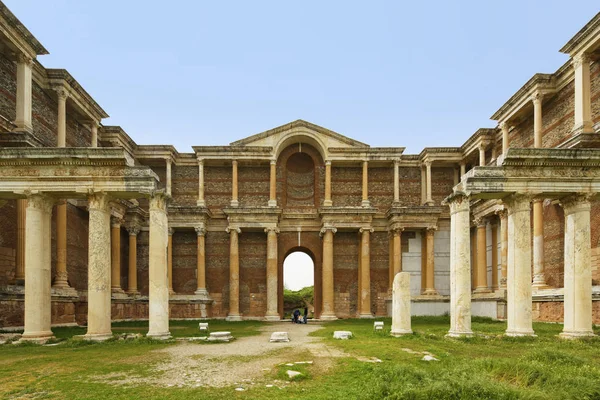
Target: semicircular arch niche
[[300, 180]]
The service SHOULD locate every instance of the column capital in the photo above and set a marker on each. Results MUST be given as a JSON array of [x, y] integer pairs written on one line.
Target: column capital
[[171, 231], [576, 202], [580, 59], [427, 164], [272, 229], [159, 200], [62, 93], [200, 160], [501, 213], [98, 201], [325, 228], [230, 229], [537, 97], [133, 230], [40, 201], [273, 162], [430, 230], [458, 201], [366, 229], [25, 59], [116, 222], [396, 162], [480, 221], [518, 202], [504, 126], [328, 162], [234, 162], [200, 230]]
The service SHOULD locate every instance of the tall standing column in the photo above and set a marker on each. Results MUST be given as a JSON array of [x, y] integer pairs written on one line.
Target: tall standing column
[[583, 102], [23, 99], [539, 278], [481, 155], [504, 128], [20, 259], [158, 295], [463, 169], [536, 99], [37, 268], [99, 271], [397, 250], [430, 263], [273, 184], [170, 260], [390, 261], [272, 313], [61, 122], [94, 131], [518, 290], [169, 177], [494, 226], [396, 182], [115, 255], [132, 288], [201, 262], [429, 200], [234, 275], [503, 214], [365, 273], [327, 202], [328, 312], [365, 184], [460, 266], [234, 184], [578, 269], [482, 281], [201, 202]]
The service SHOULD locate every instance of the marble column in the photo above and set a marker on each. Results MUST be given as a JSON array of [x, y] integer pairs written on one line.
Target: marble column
[[482, 281], [494, 226], [537, 99], [169, 176], [396, 181], [504, 128], [365, 273], [201, 262], [170, 260], [539, 278], [132, 268], [94, 131], [583, 102], [37, 268], [390, 261], [62, 95], [503, 214], [401, 314], [518, 287], [578, 269], [423, 185], [327, 202], [429, 199], [99, 268], [158, 295], [328, 312], [481, 155], [463, 169], [115, 255], [272, 313], [61, 278], [201, 202], [430, 263], [23, 99], [365, 185], [234, 275], [460, 266], [234, 184], [397, 250], [273, 184], [20, 256]]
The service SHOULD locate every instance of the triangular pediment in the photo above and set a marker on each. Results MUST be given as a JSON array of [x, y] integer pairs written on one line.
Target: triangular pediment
[[276, 135]]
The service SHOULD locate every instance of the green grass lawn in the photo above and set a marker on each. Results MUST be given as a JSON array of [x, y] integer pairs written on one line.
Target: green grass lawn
[[488, 366]]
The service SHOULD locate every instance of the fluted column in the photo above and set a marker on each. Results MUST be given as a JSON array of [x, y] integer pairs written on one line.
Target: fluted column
[[518, 290], [234, 184], [494, 227], [327, 202], [273, 184], [429, 199], [20, 256], [482, 281], [272, 312], [583, 99], [460, 266], [578, 269], [430, 263], [504, 128], [170, 260], [396, 182], [115, 255], [365, 184], [234, 275], [99, 268], [23, 99], [158, 296], [328, 312], [201, 202], [365, 273], [37, 268], [132, 288], [201, 262], [503, 214]]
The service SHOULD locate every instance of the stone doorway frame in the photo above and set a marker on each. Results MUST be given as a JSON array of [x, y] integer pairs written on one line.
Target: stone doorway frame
[[317, 281]]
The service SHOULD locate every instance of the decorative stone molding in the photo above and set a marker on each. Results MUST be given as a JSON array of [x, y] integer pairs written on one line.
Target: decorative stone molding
[[576, 202], [98, 201], [116, 222], [325, 228], [272, 229], [40, 201], [457, 202], [231, 228], [580, 59], [200, 230], [133, 230], [159, 201]]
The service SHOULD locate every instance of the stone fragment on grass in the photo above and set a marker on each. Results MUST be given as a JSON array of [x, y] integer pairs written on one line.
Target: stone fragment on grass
[[342, 335], [293, 374], [429, 358], [220, 337], [279, 337]]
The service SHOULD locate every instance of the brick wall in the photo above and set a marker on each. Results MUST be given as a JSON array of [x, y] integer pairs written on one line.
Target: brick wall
[[184, 185], [410, 186], [346, 186], [185, 249], [381, 187], [7, 265], [217, 187], [253, 279], [345, 273], [217, 271], [253, 186]]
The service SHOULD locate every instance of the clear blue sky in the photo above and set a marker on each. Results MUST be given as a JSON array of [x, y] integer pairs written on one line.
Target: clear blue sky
[[387, 73]]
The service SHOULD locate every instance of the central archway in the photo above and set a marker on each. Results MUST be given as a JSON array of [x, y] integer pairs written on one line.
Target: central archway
[[300, 265], [298, 283]]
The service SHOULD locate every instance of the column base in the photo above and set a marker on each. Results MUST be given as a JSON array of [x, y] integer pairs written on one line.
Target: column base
[[482, 289], [430, 292], [401, 332], [328, 317], [272, 203], [96, 337], [36, 337], [327, 203], [429, 203], [457, 334], [365, 316], [202, 293], [585, 127], [64, 291], [233, 318], [234, 203], [272, 317], [133, 292], [171, 292], [200, 203], [572, 335], [116, 289], [159, 335], [516, 333], [365, 203]]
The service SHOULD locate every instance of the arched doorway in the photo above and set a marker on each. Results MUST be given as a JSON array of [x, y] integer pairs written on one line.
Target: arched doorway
[[298, 282]]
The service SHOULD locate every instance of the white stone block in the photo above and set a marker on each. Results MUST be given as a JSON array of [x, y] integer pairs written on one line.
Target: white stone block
[[220, 337], [378, 325], [401, 318], [342, 335], [203, 326], [279, 337]]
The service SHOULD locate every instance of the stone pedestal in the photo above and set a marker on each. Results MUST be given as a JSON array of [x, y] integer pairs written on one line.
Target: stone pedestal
[[401, 320]]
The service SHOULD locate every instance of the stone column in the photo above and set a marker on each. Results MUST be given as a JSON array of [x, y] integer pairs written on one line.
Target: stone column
[[429, 200], [494, 226], [460, 266], [234, 275], [115, 255], [481, 155], [132, 269], [328, 312], [482, 282], [396, 181], [169, 179], [365, 184], [62, 95], [99, 271], [201, 202], [504, 128], [23, 98], [503, 214], [20, 258], [539, 279], [397, 250], [583, 102], [37, 268], [423, 186], [430, 263], [327, 202], [390, 261], [536, 99], [61, 278], [518, 290], [365, 273], [94, 130], [463, 169], [273, 184], [578, 271], [234, 184], [158, 295], [170, 260], [401, 316], [272, 311], [201, 262]]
